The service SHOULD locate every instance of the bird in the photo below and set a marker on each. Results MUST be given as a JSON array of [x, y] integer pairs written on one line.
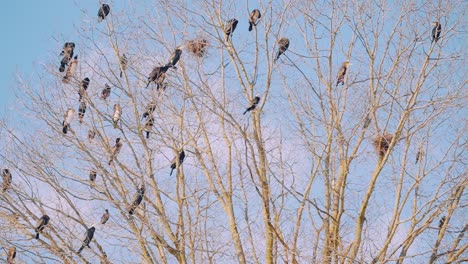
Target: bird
[[149, 110], [117, 115], [367, 122], [115, 150], [83, 88], [7, 179], [70, 70], [105, 217], [103, 12], [436, 31], [123, 64], [137, 200], [253, 18], [230, 27], [67, 53], [283, 45], [253, 104], [106, 92], [158, 74], [81, 111], [149, 126], [91, 134], [89, 236], [67, 119], [175, 57], [442, 222], [418, 156], [92, 175], [180, 159], [11, 255], [342, 73], [41, 224]]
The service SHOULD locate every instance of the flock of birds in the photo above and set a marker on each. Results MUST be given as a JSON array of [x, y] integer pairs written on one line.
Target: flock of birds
[[157, 75]]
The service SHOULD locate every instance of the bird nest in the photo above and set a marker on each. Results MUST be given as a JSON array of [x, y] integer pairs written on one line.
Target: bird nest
[[198, 47], [382, 143]]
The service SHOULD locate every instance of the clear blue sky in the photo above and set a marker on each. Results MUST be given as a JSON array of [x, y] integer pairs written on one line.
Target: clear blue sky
[[28, 30]]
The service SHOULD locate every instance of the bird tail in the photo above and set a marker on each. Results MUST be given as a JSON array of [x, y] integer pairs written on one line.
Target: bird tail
[[132, 209], [79, 250], [172, 170], [37, 235], [148, 84], [245, 112], [121, 74], [65, 129], [62, 67], [110, 161], [250, 26], [147, 134], [99, 20]]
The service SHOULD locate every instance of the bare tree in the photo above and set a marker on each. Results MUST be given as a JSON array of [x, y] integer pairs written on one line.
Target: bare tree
[[350, 148]]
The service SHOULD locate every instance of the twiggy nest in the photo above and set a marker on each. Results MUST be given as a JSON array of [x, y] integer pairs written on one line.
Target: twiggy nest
[[382, 143], [197, 47]]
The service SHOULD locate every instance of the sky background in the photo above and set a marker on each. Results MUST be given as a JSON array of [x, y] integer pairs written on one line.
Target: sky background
[[29, 31]]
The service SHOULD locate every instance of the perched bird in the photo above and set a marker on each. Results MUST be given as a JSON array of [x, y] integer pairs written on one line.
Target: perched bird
[[106, 92], [442, 222], [41, 224], [137, 200], [123, 64], [67, 53], [175, 57], [253, 104], [283, 45], [89, 236], [92, 175], [81, 111], [418, 156], [253, 19], [83, 88], [149, 110], [67, 119], [177, 161], [436, 31], [7, 179], [367, 122], [117, 115], [105, 217], [342, 73], [11, 255], [70, 70], [91, 134], [115, 150], [103, 12], [158, 74], [149, 126], [230, 27]]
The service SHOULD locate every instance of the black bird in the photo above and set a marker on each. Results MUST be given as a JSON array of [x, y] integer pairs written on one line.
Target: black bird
[[41, 224], [67, 119], [230, 27], [283, 45], [149, 126], [253, 19], [83, 88], [11, 255], [442, 222], [175, 58], [115, 150], [158, 74], [103, 12], [123, 64], [436, 31], [137, 200], [149, 110], [89, 237], [342, 73], [7, 179], [81, 111], [92, 175], [91, 134], [106, 92], [253, 104], [67, 53], [70, 70], [180, 159], [105, 217]]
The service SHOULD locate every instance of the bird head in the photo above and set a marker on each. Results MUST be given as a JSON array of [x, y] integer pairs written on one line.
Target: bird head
[[117, 140], [107, 210], [435, 23]]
